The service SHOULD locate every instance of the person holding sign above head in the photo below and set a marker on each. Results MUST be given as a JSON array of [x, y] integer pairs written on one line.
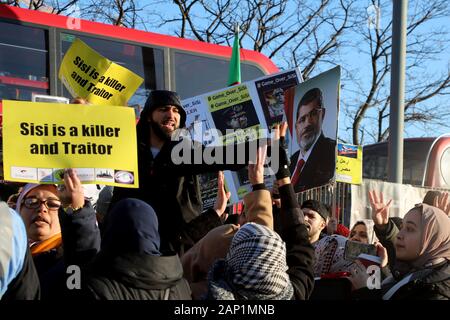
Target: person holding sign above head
[[314, 163], [38, 205], [41, 207], [169, 186], [126, 262]]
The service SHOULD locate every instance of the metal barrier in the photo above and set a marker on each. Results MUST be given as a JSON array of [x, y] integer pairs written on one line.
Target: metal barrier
[[336, 196]]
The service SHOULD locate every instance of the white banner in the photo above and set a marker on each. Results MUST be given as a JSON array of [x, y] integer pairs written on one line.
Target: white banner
[[404, 197], [250, 106]]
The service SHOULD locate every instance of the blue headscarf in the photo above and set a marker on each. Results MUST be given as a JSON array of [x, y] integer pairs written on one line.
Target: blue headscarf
[[131, 227], [13, 246]]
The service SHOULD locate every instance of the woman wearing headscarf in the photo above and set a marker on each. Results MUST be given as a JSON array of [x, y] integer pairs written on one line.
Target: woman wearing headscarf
[[422, 270], [359, 232], [386, 228], [129, 265], [41, 207], [215, 244], [38, 205]]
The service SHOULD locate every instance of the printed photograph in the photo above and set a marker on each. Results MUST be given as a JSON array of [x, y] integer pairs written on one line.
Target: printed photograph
[[313, 129], [272, 95], [104, 175], [123, 176], [239, 116], [345, 150]]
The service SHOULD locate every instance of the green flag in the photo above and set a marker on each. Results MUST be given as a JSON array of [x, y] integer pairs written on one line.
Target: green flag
[[234, 73]]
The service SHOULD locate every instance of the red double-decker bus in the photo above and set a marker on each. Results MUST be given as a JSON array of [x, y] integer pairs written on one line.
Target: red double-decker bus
[[33, 43]]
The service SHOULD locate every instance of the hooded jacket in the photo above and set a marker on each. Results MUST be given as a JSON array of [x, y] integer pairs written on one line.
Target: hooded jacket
[[171, 189], [130, 265]]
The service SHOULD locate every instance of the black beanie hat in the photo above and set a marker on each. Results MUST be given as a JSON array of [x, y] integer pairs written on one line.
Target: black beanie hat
[[317, 206], [159, 98]]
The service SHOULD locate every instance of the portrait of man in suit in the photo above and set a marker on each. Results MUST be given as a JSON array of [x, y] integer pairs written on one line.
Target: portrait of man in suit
[[314, 163]]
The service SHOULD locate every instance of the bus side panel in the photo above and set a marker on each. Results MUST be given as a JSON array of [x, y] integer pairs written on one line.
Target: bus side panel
[[434, 174]]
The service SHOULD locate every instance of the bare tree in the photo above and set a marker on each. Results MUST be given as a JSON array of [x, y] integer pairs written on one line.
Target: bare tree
[[422, 88], [317, 34], [314, 36], [52, 6], [14, 3], [125, 13], [293, 33]]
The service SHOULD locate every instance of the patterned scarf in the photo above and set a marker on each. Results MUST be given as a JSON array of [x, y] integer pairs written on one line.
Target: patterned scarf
[[329, 255], [254, 269]]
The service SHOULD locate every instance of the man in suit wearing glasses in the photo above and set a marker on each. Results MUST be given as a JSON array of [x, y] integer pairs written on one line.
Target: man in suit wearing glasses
[[314, 163]]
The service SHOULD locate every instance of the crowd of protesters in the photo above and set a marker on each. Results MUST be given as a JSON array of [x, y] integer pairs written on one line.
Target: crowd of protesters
[[155, 243]]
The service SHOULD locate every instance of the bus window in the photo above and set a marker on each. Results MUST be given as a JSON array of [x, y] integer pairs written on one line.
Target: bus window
[[196, 74], [414, 160], [144, 61], [24, 61], [193, 68], [415, 151], [374, 164]]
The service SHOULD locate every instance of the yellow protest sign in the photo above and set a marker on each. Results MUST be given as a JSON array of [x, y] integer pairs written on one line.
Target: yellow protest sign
[[41, 139], [228, 98], [89, 75], [349, 164]]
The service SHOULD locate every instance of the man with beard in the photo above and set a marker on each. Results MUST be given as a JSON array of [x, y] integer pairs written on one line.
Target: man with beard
[[316, 219], [171, 189], [314, 163]]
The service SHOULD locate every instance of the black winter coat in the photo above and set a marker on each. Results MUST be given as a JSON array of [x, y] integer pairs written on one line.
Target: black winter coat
[[127, 265], [387, 238], [299, 251], [427, 284], [167, 187], [50, 268], [26, 285], [137, 277]]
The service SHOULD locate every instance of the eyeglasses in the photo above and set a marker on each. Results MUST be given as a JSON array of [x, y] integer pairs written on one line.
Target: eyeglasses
[[314, 113], [34, 203]]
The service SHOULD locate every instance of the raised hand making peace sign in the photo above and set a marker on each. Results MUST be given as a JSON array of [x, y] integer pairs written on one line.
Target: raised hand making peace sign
[[380, 210]]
